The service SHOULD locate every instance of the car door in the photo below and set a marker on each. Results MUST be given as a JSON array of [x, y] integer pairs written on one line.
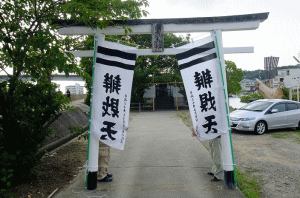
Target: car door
[[293, 114], [277, 119]]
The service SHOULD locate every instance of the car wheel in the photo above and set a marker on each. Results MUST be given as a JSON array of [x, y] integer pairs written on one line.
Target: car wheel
[[260, 128]]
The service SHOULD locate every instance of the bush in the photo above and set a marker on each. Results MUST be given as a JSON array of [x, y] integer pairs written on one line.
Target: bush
[[294, 96], [247, 96], [286, 93], [6, 176], [23, 129]]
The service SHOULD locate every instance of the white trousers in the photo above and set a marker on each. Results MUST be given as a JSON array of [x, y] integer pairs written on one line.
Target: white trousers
[[103, 161], [216, 154]]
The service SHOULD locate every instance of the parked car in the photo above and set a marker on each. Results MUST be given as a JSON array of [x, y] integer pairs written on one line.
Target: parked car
[[264, 114]]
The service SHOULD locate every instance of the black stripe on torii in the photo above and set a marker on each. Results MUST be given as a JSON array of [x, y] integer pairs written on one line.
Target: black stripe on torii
[[197, 61], [114, 64], [196, 50], [117, 53]]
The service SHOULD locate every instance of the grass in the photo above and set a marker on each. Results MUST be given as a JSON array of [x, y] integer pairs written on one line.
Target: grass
[[184, 118], [247, 184], [295, 135], [280, 136], [297, 132]]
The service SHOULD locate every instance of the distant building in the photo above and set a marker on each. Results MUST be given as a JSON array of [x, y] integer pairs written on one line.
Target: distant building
[[166, 96], [77, 89], [271, 66], [289, 78], [248, 85]]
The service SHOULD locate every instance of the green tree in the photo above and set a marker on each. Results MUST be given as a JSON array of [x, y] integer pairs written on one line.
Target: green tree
[[31, 47], [256, 74], [159, 69], [234, 75]]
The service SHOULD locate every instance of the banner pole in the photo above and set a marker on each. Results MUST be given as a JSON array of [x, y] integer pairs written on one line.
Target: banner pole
[[93, 144], [226, 140]]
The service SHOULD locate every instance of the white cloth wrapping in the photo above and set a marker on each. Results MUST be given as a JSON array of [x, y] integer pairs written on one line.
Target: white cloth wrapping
[[200, 70], [113, 75]]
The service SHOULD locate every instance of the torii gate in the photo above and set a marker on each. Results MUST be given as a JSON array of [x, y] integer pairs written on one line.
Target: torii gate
[[156, 27]]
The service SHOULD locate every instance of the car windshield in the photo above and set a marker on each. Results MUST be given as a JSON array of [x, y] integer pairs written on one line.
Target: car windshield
[[257, 106]]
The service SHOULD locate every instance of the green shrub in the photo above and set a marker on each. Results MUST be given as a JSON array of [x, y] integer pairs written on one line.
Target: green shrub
[[294, 96], [23, 127], [286, 93], [247, 96], [5, 178]]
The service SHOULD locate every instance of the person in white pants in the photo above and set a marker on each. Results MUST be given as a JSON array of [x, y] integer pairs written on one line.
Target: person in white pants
[[103, 163], [215, 151]]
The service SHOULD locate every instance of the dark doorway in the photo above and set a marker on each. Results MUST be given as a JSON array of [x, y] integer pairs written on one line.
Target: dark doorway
[[164, 97]]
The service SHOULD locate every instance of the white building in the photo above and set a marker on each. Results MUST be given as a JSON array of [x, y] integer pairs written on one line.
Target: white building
[[289, 78], [248, 85], [77, 89]]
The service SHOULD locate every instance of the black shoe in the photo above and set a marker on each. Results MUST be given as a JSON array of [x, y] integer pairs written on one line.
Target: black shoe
[[109, 175], [210, 173], [105, 179], [215, 179]]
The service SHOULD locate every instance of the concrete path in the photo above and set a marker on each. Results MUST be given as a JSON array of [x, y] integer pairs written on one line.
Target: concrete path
[[76, 102], [160, 159]]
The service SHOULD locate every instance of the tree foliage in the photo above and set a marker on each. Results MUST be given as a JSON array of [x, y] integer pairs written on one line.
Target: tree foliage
[[30, 47], [148, 69], [155, 69], [234, 75], [256, 74], [262, 74]]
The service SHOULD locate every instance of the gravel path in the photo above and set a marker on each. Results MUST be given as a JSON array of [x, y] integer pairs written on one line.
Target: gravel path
[[274, 162]]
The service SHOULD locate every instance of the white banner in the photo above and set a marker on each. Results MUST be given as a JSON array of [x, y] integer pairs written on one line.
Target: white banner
[[200, 70], [113, 75]]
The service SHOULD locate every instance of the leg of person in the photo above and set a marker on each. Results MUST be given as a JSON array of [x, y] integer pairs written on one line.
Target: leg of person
[[216, 151], [210, 151], [104, 157]]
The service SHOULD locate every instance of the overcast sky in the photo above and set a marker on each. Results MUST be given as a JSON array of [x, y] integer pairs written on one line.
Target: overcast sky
[[277, 36]]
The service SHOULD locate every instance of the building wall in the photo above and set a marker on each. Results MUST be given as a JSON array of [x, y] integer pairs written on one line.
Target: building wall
[[75, 89], [149, 93], [290, 78], [248, 85]]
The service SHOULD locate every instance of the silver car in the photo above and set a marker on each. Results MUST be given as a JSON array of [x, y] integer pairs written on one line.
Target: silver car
[[264, 114]]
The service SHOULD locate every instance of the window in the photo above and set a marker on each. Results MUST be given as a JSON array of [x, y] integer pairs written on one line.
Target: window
[[280, 107], [291, 106], [257, 106]]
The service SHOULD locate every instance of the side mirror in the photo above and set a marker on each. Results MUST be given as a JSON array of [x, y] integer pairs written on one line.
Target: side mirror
[[274, 110]]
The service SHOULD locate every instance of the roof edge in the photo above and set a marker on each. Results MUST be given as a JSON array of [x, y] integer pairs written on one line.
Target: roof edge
[[198, 20]]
